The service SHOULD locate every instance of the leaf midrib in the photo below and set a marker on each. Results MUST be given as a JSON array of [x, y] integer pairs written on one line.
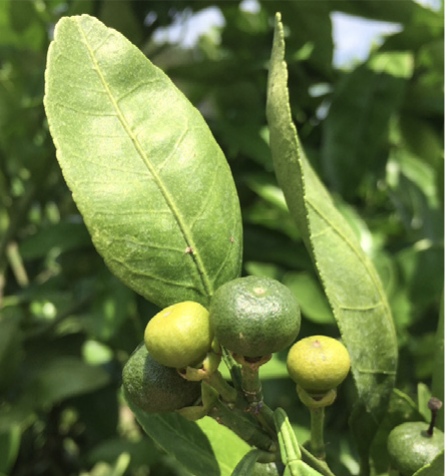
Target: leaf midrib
[[188, 237]]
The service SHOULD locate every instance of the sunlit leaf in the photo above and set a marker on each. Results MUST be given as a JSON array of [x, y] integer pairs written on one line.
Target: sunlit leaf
[[350, 281], [153, 186]]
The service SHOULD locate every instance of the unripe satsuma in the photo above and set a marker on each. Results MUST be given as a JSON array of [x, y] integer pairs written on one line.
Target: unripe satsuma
[[179, 335], [155, 388], [410, 448], [254, 316], [318, 364]]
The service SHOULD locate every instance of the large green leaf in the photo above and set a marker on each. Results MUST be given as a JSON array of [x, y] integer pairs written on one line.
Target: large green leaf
[[350, 281], [203, 447], [153, 186]]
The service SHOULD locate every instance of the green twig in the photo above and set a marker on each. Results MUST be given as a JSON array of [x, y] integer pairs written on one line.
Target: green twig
[[227, 392], [317, 427]]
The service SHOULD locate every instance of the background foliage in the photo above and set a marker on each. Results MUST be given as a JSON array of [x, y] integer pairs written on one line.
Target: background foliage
[[373, 132]]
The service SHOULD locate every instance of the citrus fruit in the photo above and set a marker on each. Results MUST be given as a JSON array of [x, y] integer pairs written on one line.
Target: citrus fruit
[[155, 388], [254, 316], [179, 335], [410, 448], [318, 363]]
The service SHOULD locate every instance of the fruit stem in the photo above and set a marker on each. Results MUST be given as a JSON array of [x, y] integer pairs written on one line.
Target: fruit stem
[[317, 425], [434, 404], [243, 428], [252, 391], [227, 392]]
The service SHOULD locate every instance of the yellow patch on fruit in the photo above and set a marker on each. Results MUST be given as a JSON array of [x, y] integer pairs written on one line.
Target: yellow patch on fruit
[[318, 363], [179, 335]]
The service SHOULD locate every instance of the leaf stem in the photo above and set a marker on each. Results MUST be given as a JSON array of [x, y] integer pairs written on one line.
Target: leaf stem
[[227, 392]]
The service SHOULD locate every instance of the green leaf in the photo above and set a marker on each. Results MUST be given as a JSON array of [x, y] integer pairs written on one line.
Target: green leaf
[[350, 281], [356, 128], [313, 302], [247, 464], [423, 396], [437, 387], [65, 377], [153, 186], [9, 447], [203, 447]]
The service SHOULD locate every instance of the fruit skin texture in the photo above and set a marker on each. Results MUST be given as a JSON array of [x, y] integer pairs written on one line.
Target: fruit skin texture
[[155, 388], [318, 364], [254, 316], [410, 448], [179, 335]]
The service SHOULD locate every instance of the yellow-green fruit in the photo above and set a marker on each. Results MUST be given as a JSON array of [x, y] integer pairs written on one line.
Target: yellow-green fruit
[[410, 448], [254, 316], [179, 335], [155, 388], [318, 363]]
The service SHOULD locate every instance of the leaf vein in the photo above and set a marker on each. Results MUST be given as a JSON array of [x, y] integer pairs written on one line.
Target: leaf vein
[[187, 235]]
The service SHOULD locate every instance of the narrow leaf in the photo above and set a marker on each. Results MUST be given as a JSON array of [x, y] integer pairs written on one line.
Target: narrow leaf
[[153, 186], [247, 464], [349, 279]]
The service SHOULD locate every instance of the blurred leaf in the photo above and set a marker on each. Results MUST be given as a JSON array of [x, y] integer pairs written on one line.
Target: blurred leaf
[[437, 388], [423, 395], [22, 15], [19, 27], [421, 139], [313, 302], [405, 12], [348, 276], [440, 175], [141, 452], [9, 448], [268, 270], [309, 25], [422, 270], [62, 378], [109, 310], [167, 238], [121, 17], [203, 447], [11, 349], [64, 236], [355, 130], [78, 7]]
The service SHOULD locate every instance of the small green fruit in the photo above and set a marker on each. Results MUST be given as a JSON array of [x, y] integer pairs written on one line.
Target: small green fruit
[[179, 335], [254, 316], [155, 388], [410, 448], [318, 364]]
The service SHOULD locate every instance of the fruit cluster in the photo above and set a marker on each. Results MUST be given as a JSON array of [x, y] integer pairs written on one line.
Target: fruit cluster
[[175, 369], [252, 317]]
